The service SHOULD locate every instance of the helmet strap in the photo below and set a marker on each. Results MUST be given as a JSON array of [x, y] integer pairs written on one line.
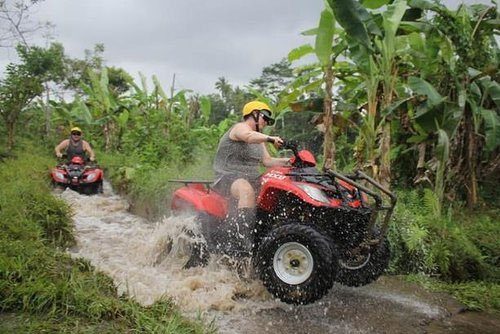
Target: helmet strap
[[256, 119]]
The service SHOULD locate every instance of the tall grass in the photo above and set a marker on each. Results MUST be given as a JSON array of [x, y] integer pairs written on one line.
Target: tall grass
[[41, 287], [453, 246], [461, 249], [148, 187]]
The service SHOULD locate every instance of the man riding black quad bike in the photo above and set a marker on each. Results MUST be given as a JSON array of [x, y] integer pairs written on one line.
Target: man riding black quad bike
[[312, 228]]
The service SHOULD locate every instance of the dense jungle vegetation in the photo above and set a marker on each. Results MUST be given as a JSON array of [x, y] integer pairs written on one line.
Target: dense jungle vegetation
[[406, 90]]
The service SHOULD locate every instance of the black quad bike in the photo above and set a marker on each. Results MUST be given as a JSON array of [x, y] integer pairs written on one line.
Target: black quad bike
[[312, 228]]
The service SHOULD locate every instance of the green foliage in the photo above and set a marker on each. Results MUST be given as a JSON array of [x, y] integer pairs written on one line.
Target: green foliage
[[24, 198], [475, 295], [423, 241], [350, 15], [46, 64], [40, 280], [17, 91], [324, 37], [148, 186], [407, 82]]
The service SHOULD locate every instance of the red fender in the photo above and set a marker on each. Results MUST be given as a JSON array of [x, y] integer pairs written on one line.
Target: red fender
[[201, 199]]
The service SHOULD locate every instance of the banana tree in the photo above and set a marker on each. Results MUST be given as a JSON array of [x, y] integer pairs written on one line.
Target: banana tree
[[107, 109], [72, 114], [462, 93], [320, 76], [374, 52], [387, 62], [323, 48]]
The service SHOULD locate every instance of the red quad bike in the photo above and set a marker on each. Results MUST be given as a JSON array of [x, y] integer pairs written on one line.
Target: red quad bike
[[312, 228], [78, 176]]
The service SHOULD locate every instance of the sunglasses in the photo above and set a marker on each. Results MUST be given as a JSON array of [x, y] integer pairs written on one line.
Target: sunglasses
[[266, 115], [76, 133]]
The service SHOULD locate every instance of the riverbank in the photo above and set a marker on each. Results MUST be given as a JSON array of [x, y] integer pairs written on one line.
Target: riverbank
[[43, 289]]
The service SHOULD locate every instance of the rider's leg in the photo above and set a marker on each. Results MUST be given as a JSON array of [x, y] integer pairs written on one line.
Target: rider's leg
[[243, 191], [243, 221]]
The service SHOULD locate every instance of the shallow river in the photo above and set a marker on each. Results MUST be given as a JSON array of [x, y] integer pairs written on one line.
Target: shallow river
[[132, 251]]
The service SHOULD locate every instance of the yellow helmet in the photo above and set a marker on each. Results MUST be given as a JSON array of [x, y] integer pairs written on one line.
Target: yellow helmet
[[254, 105], [76, 129]]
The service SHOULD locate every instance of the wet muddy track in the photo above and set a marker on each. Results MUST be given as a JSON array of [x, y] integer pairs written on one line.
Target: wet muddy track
[[388, 306], [132, 251]]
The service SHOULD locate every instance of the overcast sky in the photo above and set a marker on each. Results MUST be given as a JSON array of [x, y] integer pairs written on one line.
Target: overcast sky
[[197, 40]]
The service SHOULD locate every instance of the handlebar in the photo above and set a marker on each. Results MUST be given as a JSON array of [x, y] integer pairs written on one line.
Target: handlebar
[[63, 160], [293, 145], [290, 145]]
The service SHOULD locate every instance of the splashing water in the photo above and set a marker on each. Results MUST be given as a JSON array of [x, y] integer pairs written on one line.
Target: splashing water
[[146, 259]]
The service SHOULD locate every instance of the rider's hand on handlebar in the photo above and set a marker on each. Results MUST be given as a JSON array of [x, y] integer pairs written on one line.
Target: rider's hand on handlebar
[[277, 141]]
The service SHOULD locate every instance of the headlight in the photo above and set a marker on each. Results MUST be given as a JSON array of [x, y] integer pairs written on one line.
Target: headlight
[[313, 192], [91, 177], [59, 175]]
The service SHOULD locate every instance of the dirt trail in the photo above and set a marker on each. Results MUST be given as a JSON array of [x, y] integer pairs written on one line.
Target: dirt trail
[[132, 251]]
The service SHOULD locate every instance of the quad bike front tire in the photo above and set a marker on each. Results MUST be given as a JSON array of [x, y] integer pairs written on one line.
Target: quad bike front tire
[[100, 188], [296, 263], [91, 189], [367, 268]]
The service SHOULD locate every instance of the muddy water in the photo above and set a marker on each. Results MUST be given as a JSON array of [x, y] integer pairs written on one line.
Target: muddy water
[[145, 260]]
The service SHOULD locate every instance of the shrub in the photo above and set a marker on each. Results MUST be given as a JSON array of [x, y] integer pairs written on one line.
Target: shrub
[[423, 242]]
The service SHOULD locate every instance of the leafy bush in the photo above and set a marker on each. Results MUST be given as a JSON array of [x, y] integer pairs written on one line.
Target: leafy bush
[[448, 245], [476, 295]]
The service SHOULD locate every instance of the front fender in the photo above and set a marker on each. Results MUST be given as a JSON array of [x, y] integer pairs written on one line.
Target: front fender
[[272, 189]]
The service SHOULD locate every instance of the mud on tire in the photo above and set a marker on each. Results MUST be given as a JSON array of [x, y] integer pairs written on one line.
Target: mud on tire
[[296, 264], [368, 270]]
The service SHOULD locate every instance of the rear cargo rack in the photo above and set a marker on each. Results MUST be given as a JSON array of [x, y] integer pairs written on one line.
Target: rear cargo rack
[[207, 183]]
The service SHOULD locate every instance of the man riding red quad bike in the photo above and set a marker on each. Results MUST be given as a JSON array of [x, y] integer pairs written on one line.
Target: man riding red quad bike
[[312, 228], [78, 176]]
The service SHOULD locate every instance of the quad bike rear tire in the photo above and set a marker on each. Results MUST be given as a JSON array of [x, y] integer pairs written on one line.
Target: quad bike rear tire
[[197, 251], [296, 263], [368, 269]]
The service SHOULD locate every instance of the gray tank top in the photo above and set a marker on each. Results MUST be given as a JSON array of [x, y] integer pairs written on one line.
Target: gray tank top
[[74, 150], [237, 158]]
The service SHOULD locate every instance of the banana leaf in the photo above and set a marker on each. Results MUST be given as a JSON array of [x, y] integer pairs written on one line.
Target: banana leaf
[[491, 129], [347, 13], [324, 38], [300, 52]]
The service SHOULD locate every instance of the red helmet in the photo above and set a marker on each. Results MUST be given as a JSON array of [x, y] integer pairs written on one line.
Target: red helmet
[[77, 160]]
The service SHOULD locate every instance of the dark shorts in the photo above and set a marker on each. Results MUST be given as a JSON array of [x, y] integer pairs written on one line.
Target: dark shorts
[[223, 184]]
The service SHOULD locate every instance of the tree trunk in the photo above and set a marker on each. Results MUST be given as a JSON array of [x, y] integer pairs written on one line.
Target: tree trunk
[[107, 137], [384, 176], [328, 143], [471, 161], [421, 177], [47, 111]]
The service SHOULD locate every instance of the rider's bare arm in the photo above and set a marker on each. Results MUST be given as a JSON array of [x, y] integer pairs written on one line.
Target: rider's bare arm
[[62, 146], [88, 149], [269, 161], [242, 132]]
